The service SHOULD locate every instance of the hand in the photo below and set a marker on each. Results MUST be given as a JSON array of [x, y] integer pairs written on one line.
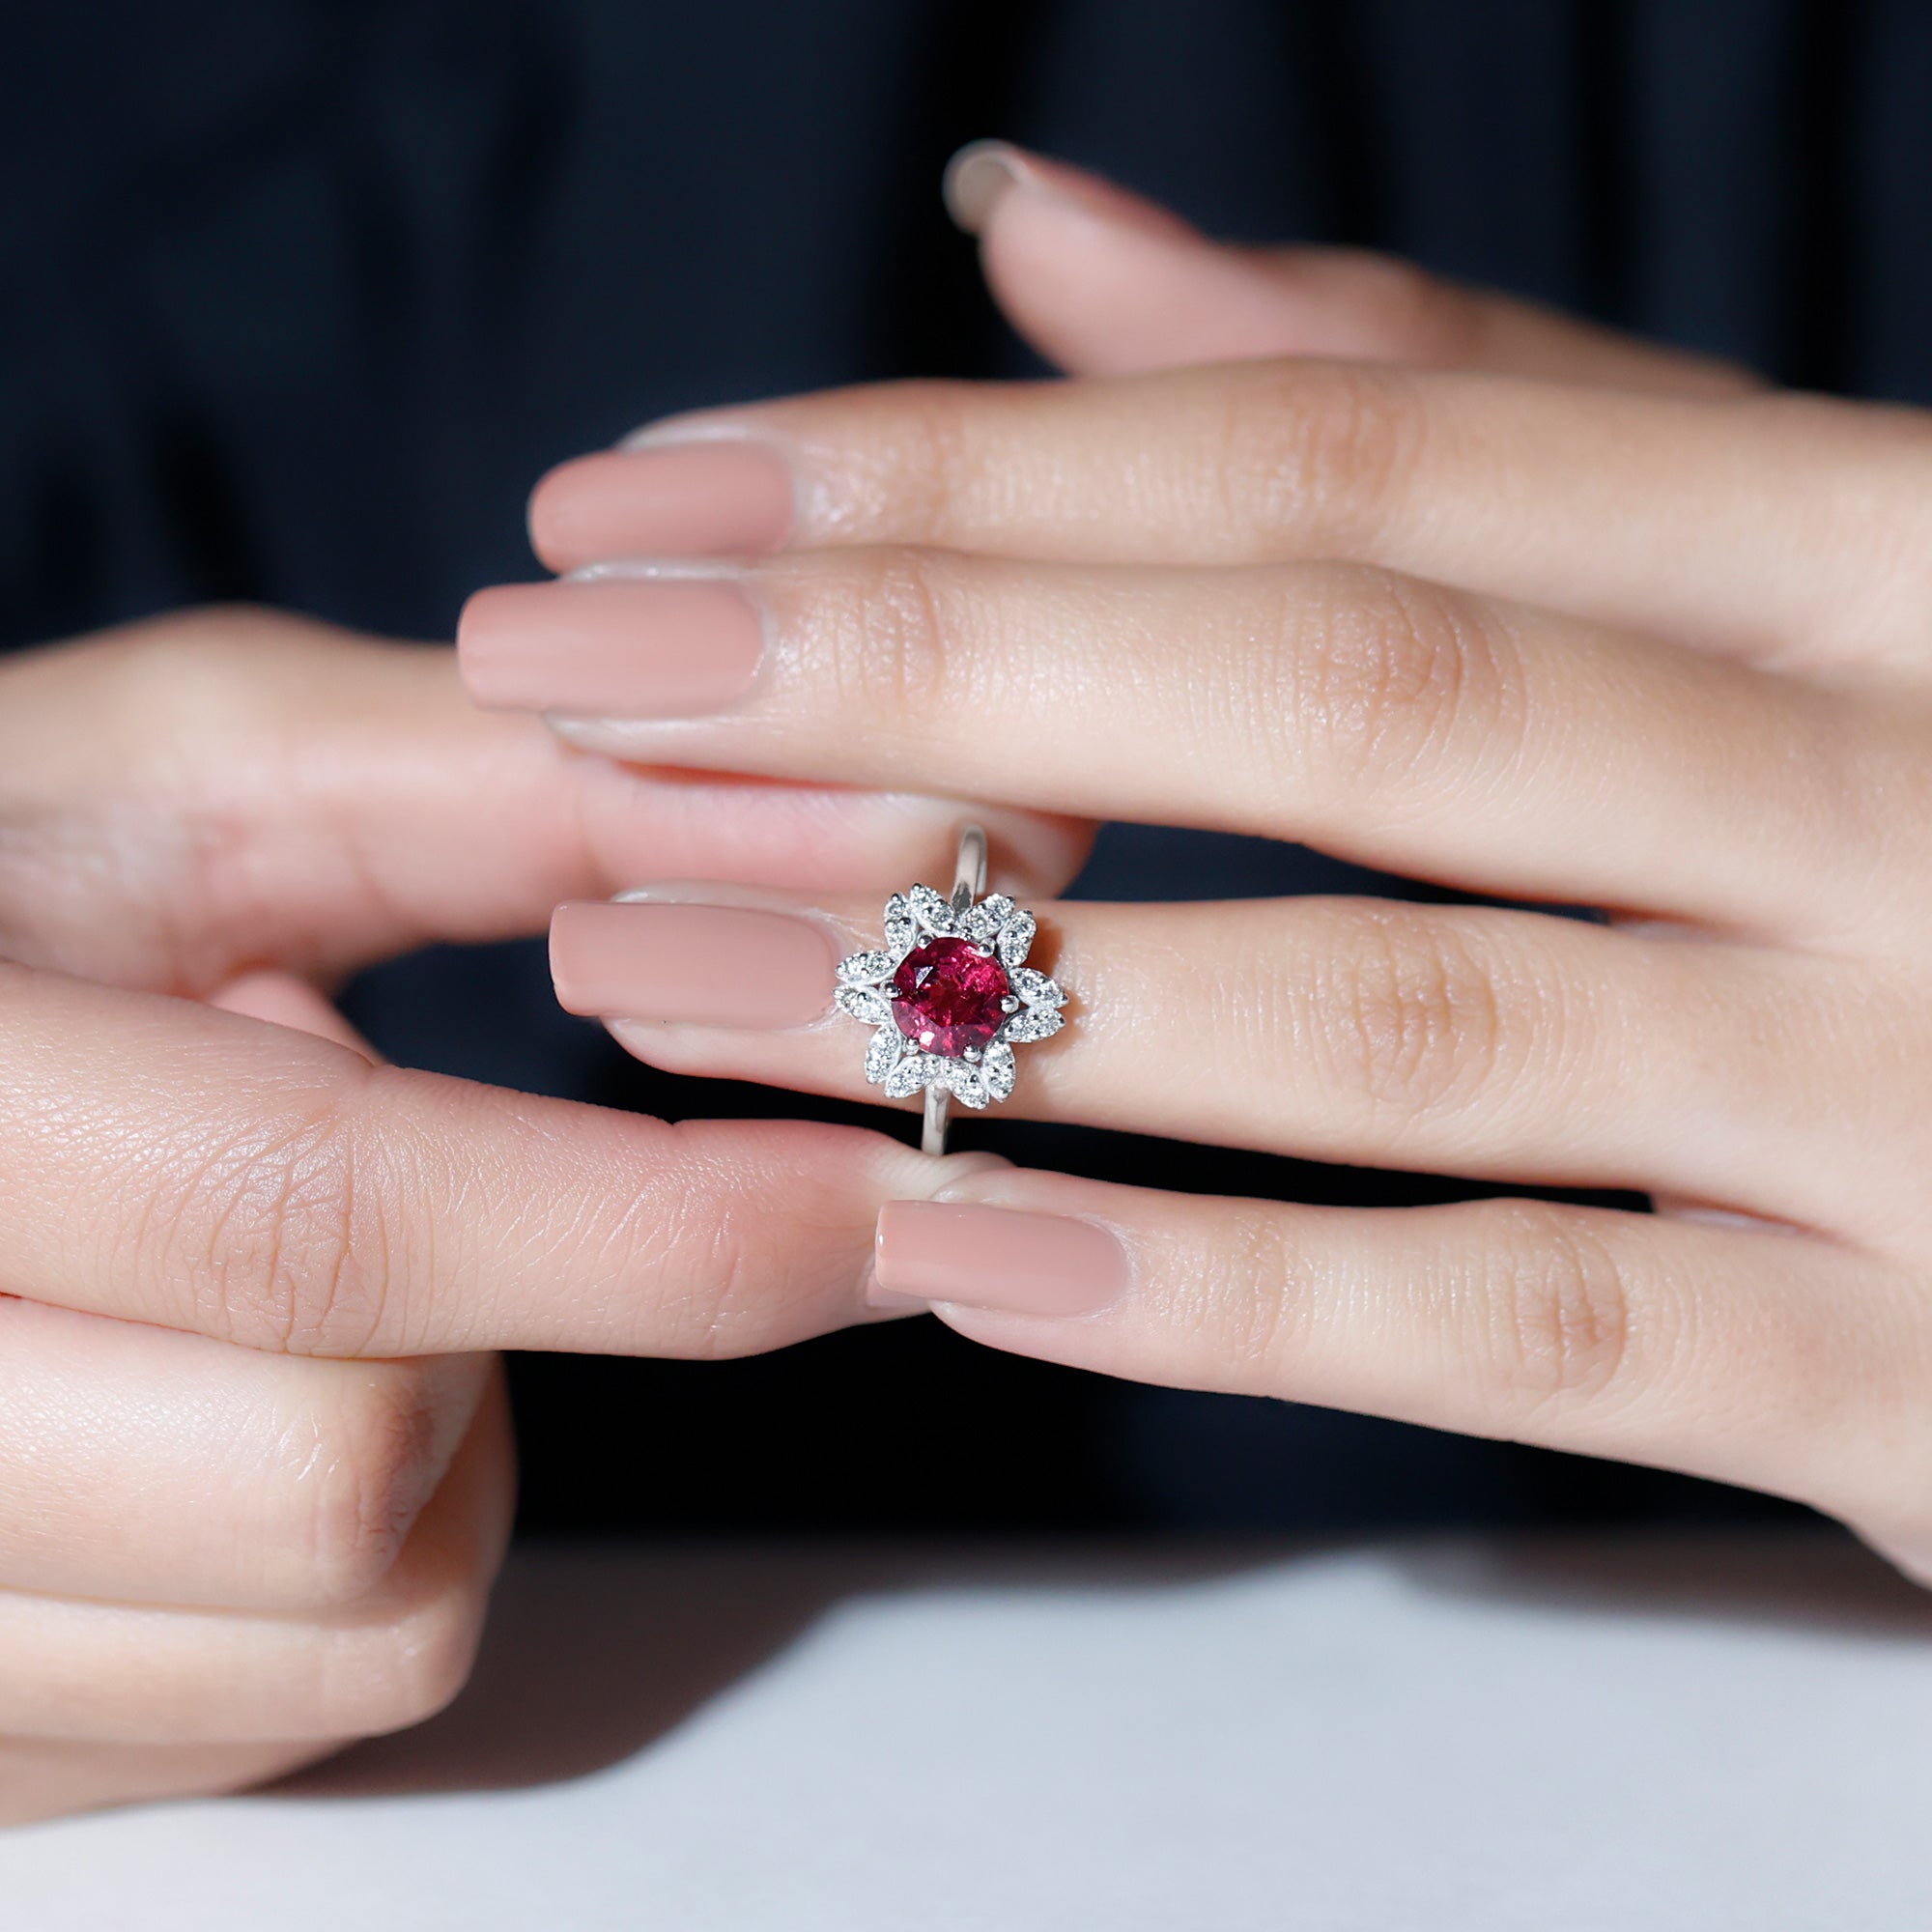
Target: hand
[[255, 1467], [1576, 621]]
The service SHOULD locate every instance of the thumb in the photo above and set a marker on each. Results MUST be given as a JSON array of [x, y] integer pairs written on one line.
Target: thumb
[[1105, 283], [285, 1001]]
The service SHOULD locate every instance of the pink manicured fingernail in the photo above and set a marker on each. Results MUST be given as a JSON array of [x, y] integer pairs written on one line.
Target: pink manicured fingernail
[[692, 965], [999, 1257], [982, 174], [713, 496], [636, 648]]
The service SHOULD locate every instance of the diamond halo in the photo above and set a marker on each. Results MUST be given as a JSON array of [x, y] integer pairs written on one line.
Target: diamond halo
[[952, 973]]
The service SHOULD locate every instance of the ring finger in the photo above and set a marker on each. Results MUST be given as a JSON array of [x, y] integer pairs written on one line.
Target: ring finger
[[1469, 1040]]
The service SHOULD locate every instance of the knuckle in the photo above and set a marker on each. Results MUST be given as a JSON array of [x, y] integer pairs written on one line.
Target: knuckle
[[363, 1480], [1409, 1017], [286, 1236], [1558, 1304], [926, 492], [213, 676], [196, 668], [1260, 1308], [201, 707], [886, 637], [1394, 673], [1318, 456]]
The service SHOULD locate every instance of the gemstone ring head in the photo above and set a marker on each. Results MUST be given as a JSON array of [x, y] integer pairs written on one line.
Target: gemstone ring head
[[950, 995]]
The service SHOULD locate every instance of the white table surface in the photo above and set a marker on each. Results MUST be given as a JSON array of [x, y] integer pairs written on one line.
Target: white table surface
[[1564, 1736]]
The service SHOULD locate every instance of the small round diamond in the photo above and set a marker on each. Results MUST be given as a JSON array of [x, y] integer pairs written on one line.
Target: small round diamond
[[950, 997]]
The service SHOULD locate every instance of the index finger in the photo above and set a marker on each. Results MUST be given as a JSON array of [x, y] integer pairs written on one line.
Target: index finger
[[169, 1163], [250, 789]]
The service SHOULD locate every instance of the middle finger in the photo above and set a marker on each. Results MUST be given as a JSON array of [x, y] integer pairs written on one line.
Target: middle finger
[[1407, 726]]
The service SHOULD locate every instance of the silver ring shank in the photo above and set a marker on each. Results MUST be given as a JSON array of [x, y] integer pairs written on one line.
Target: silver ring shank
[[969, 874], [969, 883], [932, 1136]]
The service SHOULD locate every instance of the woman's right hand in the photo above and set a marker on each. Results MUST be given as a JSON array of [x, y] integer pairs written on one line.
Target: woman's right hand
[[255, 1467]]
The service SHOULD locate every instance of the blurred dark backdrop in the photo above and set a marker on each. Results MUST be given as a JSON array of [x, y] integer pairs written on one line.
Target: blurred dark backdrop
[[299, 296]]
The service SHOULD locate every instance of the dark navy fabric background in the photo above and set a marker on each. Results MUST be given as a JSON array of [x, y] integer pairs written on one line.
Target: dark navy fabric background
[[297, 299]]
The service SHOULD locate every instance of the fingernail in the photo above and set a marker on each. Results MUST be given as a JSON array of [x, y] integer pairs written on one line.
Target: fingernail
[[634, 647], [710, 497], [691, 965], [984, 173], [1008, 1258], [977, 178]]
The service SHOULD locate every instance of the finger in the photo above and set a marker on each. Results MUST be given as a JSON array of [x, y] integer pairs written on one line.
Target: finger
[[1788, 530], [1466, 1040], [42, 1779], [1378, 719], [139, 1464], [275, 1191], [1765, 1358], [1102, 282], [280, 1000], [121, 1673], [275, 792]]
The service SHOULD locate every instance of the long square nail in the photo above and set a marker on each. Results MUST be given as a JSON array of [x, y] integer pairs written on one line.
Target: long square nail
[[710, 497], [692, 965], [1012, 1260], [611, 647]]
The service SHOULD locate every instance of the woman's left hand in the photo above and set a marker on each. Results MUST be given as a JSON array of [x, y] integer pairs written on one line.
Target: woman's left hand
[[1622, 632]]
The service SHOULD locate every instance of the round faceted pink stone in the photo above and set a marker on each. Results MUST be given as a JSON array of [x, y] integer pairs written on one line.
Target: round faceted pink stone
[[948, 996]]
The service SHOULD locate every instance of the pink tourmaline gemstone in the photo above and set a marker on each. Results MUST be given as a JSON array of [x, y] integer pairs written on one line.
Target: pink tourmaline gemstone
[[949, 997]]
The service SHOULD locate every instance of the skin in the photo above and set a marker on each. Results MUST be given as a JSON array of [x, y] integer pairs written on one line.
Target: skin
[[1316, 548], [255, 1464]]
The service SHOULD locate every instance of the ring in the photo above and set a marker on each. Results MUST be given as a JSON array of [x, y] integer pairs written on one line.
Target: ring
[[949, 993]]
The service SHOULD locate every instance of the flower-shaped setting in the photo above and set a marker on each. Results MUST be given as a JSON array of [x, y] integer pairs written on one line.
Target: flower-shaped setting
[[950, 994]]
